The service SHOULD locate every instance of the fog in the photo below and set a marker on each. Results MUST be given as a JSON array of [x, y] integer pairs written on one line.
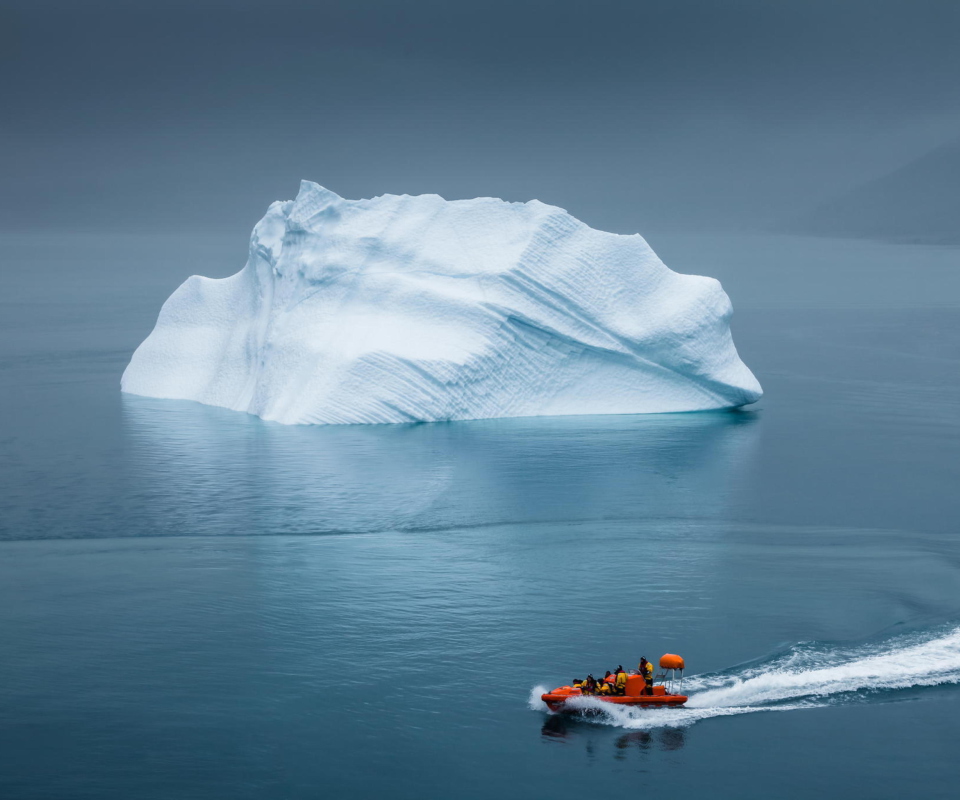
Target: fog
[[680, 114]]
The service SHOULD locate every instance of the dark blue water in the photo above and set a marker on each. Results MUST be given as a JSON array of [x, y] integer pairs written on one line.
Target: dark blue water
[[198, 604]]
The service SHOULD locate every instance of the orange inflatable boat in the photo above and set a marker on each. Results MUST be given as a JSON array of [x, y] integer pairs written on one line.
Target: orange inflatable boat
[[667, 690]]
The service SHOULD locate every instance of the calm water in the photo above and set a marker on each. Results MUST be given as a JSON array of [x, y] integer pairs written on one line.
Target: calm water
[[198, 604]]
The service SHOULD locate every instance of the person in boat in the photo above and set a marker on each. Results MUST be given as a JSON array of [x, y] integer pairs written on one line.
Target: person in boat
[[577, 683], [605, 689], [645, 668], [589, 685], [620, 683]]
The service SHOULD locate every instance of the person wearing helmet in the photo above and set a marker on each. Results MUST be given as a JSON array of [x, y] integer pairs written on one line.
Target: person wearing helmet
[[645, 668], [621, 681]]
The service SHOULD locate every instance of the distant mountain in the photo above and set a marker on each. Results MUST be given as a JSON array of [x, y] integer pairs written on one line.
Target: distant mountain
[[919, 202]]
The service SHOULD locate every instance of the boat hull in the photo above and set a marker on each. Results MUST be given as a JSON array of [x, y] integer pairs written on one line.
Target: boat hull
[[558, 702]]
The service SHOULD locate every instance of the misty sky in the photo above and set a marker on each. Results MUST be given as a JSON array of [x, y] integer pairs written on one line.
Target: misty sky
[[698, 113]]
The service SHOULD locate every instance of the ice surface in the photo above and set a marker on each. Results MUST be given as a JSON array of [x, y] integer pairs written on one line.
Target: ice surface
[[400, 309]]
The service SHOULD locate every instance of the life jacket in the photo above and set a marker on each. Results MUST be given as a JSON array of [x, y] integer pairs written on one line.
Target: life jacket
[[648, 671]]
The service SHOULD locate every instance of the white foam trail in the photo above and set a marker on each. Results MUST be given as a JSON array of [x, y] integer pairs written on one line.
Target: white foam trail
[[646, 719], [534, 701], [805, 677]]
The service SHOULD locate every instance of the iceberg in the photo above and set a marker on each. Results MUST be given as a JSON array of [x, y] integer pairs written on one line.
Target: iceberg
[[415, 308]]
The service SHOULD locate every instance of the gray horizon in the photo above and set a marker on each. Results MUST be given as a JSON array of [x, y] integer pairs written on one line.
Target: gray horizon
[[632, 116]]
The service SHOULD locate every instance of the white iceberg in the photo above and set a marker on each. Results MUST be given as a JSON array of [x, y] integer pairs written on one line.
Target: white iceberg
[[400, 309]]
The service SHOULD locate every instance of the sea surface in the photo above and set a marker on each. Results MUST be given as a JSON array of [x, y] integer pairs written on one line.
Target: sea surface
[[195, 603]]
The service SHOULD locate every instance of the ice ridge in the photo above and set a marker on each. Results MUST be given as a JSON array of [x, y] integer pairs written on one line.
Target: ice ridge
[[414, 308]]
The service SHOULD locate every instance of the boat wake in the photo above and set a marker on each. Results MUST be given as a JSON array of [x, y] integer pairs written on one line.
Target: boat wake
[[805, 676]]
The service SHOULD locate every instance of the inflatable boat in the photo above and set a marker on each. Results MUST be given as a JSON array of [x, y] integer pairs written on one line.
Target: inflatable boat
[[667, 690]]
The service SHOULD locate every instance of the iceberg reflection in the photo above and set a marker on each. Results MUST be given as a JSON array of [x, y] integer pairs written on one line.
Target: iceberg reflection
[[200, 470]]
